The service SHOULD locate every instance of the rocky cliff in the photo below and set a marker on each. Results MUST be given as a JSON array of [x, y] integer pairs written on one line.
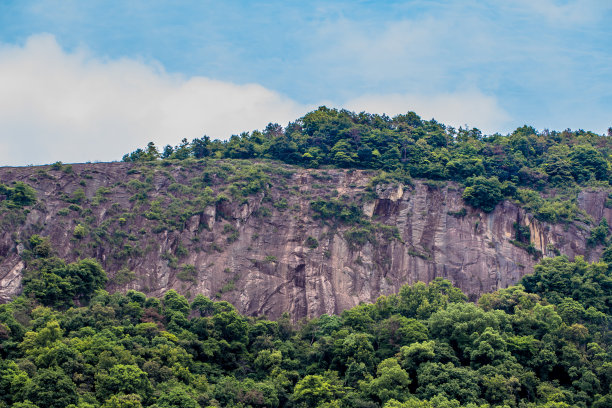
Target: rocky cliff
[[247, 233]]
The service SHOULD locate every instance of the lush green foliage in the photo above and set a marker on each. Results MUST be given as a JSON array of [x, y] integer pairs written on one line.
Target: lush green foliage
[[558, 280], [20, 195], [483, 193], [53, 282], [337, 211], [15, 203], [407, 146], [544, 343]]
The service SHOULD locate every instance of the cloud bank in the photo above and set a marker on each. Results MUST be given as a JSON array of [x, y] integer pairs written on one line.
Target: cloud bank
[[72, 107], [75, 107]]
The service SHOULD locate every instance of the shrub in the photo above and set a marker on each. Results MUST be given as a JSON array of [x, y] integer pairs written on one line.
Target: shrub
[[336, 210], [187, 273], [458, 214], [484, 193], [77, 197], [311, 242], [281, 204], [599, 234], [57, 165], [21, 195], [79, 231], [359, 236], [123, 276], [232, 231]]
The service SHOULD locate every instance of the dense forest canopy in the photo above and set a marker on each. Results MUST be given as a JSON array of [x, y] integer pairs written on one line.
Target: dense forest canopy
[[542, 343]]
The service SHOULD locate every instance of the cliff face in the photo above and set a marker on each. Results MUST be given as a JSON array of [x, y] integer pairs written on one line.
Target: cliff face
[[266, 252]]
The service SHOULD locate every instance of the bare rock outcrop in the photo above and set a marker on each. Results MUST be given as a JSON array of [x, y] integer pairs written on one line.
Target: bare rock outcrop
[[266, 253]]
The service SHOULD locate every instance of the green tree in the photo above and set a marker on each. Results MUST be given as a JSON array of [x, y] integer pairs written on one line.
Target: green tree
[[20, 195], [459, 322], [599, 234], [588, 162], [122, 378], [391, 381], [176, 398], [343, 154], [398, 331], [52, 388], [313, 390], [462, 168], [123, 401], [557, 278], [200, 147], [484, 193], [54, 283], [13, 382], [489, 347], [174, 302], [421, 300], [448, 380], [356, 347]]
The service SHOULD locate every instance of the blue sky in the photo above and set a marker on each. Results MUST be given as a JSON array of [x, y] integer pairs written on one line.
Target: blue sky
[[91, 80]]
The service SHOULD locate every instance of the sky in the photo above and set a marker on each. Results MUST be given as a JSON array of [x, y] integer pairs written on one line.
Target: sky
[[92, 80]]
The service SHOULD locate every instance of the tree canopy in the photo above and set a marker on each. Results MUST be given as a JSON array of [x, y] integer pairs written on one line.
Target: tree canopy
[[409, 145], [542, 343]]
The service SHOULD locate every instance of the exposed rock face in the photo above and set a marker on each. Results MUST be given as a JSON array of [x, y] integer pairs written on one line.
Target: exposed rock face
[[268, 266]]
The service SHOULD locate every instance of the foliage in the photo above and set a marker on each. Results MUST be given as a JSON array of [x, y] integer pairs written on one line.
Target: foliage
[[483, 193], [52, 282], [187, 273], [405, 146], [79, 231], [337, 211], [20, 195], [544, 343], [556, 279], [123, 276], [599, 234], [311, 242]]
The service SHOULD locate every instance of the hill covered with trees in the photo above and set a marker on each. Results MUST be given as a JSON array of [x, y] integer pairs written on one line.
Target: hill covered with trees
[[542, 343], [332, 210]]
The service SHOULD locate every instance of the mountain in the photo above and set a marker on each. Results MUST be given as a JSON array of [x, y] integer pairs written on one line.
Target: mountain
[[270, 237], [285, 268]]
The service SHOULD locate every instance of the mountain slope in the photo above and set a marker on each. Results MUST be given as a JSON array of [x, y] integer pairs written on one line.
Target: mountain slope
[[271, 237]]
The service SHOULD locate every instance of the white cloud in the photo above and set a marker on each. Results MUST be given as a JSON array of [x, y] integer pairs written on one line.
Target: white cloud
[[471, 108], [75, 107], [56, 105]]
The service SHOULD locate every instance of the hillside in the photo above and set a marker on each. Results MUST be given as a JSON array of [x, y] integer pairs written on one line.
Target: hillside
[[333, 210], [328, 228], [271, 237]]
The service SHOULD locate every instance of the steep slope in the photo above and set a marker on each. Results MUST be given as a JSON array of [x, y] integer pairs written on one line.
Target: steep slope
[[249, 233]]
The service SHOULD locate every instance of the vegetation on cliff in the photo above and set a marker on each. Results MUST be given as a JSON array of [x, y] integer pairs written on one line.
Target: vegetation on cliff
[[510, 166], [65, 342], [542, 343]]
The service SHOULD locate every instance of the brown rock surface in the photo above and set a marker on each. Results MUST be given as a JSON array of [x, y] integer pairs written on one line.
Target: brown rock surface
[[267, 267]]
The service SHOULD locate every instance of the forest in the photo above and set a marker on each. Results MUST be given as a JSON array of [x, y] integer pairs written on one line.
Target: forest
[[544, 342]]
